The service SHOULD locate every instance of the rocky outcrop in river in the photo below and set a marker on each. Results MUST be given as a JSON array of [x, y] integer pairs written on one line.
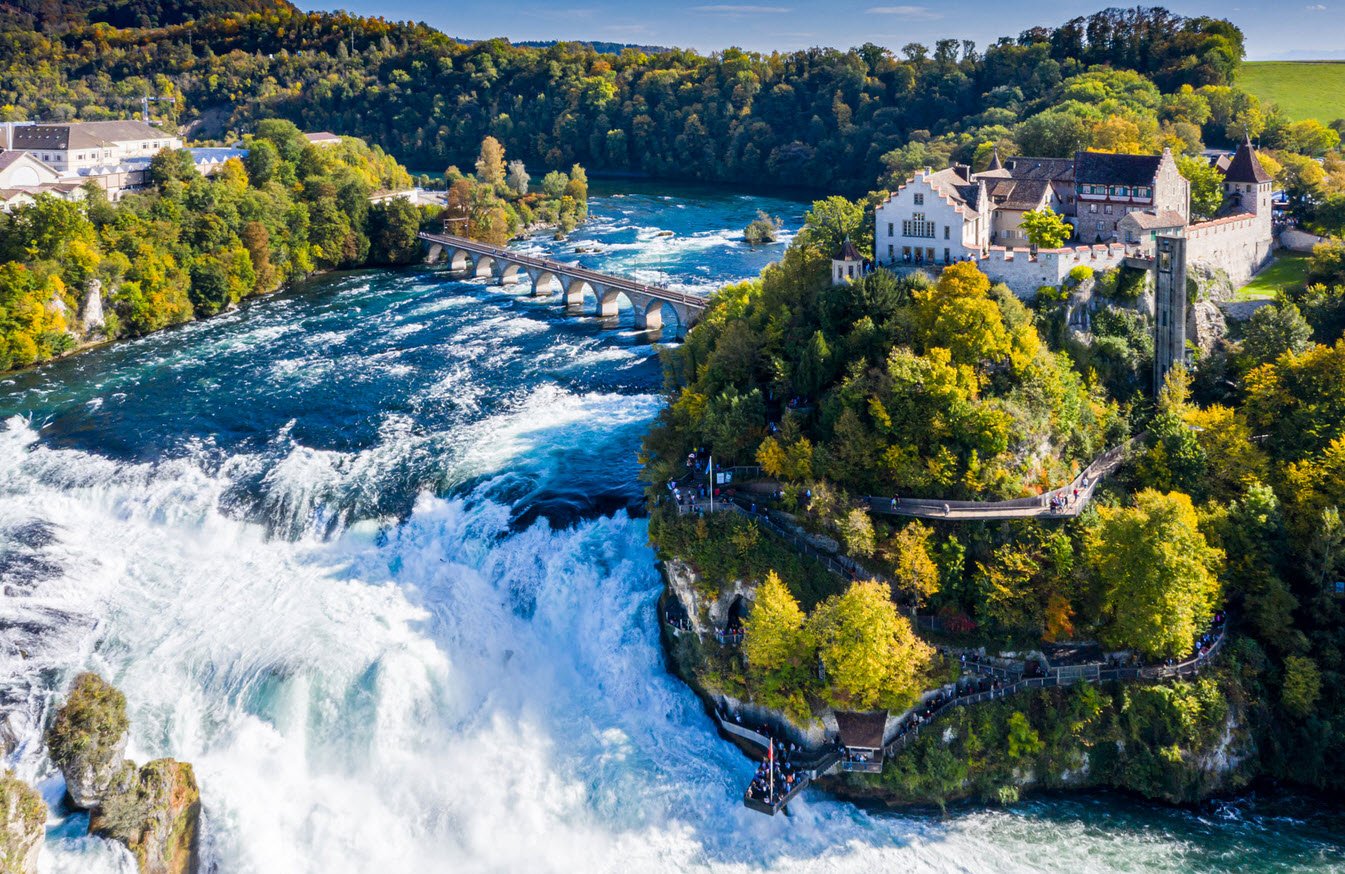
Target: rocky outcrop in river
[[23, 819], [154, 810], [88, 739]]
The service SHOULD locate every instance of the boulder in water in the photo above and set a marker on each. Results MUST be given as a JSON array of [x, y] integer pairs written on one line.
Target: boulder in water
[[23, 819], [87, 739], [156, 812]]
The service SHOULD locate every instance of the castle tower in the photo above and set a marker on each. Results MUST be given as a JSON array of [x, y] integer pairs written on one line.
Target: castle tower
[[847, 265], [1249, 184], [1169, 306]]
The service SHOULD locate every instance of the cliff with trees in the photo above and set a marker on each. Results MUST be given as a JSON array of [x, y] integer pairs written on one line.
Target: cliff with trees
[[945, 386]]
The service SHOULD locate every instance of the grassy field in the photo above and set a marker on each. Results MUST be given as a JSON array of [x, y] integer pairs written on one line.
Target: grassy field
[[1303, 89], [1289, 269]]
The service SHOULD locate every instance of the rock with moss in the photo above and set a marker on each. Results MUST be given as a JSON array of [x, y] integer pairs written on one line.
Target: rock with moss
[[23, 819], [155, 811], [87, 739]]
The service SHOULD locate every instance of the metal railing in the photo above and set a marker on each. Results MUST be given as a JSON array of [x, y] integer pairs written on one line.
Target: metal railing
[[1074, 496], [1066, 675]]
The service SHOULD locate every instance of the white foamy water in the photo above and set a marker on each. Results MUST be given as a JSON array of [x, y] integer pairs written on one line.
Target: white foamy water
[[441, 693]]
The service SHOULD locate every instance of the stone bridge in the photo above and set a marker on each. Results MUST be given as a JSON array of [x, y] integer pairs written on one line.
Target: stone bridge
[[654, 307]]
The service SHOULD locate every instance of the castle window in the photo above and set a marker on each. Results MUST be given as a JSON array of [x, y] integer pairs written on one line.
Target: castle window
[[919, 199], [889, 229], [1120, 191], [946, 232], [917, 226]]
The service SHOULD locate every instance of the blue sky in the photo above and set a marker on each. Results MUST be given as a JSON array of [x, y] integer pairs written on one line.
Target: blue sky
[[1295, 29]]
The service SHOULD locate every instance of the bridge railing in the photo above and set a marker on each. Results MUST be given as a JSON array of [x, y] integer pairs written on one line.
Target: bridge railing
[[573, 270]]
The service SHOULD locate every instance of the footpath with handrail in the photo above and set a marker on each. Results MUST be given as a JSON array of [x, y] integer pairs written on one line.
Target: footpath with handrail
[[990, 682]]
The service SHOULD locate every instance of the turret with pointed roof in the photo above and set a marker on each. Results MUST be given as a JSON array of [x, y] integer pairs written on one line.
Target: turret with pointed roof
[[847, 264], [1245, 167], [995, 162]]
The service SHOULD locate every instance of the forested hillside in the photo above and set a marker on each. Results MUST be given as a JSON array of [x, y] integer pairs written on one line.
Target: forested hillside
[[823, 118]]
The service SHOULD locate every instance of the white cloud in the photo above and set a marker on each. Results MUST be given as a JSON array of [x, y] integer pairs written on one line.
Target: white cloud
[[918, 13], [735, 9], [1316, 7]]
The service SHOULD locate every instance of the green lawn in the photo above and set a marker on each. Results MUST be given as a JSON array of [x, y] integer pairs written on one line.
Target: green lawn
[[1288, 270], [1303, 89]]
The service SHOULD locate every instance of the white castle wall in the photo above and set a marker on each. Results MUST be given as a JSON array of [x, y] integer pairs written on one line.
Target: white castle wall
[[1239, 245], [1024, 272]]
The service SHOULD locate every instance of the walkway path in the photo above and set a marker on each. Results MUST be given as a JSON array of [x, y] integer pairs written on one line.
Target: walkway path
[[988, 682], [1062, 503]]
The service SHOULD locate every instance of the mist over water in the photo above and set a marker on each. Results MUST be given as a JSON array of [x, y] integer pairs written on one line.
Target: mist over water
[[362, 553]]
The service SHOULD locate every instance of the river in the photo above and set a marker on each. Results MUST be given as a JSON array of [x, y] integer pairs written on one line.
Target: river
[[362, 553]]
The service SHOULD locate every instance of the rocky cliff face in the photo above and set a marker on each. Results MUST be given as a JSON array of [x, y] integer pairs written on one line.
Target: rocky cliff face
[[23, 819], [156, 812], [87, 740]]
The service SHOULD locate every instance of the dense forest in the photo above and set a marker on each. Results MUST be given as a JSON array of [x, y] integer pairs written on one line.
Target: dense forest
[[824, 118], [949, 386]]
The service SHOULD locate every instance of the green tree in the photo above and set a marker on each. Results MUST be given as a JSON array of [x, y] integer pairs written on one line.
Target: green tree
[[1045, 229], [262, 162], [1207, 186], [393, 225], [1158, 574], [553, 184], [1024, 742], [1302, 686], [762, 229], [871, 657], [832, 221], [172, 165], [1274, 330]]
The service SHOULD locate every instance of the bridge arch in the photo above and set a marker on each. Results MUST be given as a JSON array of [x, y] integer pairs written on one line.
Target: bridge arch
[[511, 272], [544, 282], [484, 266], [458, 260], [609, 305], [578, 292], [658, 315]]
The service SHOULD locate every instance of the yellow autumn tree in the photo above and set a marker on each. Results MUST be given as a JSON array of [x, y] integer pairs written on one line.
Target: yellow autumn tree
[[870, 656]]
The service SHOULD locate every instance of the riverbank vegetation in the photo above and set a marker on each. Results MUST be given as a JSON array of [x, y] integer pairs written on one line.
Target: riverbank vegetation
[[1177, 742], [497, 203], [191, 246], [946, 386]]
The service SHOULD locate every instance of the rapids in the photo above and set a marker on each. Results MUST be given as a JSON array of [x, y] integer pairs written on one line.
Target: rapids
[[364, 553]]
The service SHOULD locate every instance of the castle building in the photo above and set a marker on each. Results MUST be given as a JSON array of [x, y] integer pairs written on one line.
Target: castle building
[[1117, 205]]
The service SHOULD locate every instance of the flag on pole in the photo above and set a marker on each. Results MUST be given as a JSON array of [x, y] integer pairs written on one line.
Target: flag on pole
[[770, 766], [711, 468]]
